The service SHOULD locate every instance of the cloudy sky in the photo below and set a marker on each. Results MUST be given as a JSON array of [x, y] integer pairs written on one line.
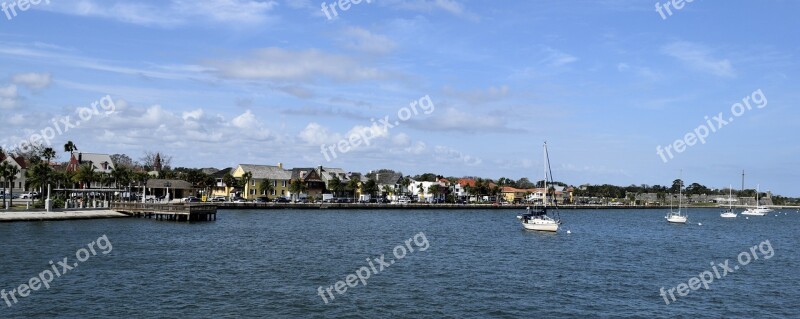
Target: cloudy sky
[[605, 83]]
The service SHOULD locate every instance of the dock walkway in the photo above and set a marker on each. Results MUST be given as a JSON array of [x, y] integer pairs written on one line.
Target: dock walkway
[[172, 212]]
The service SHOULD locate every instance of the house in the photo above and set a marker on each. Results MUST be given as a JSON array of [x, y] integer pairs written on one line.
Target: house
[[538, 194], [424, 192], [516, 195], [220, 188], [311, 180], [277, 176], [100, 163], [393, 181], [19, 180]]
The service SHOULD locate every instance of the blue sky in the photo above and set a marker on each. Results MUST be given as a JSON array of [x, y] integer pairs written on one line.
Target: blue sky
[[222, 82]]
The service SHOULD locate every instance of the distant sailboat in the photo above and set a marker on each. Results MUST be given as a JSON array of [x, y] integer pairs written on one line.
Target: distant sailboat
[[537, 219], [677, 217], [729, 213], [758, 210]]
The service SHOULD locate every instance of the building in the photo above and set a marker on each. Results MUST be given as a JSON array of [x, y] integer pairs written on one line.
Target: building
[[100, 163], [276, 175], [424, 192], [18, 186], [311, 180], [220, 188]]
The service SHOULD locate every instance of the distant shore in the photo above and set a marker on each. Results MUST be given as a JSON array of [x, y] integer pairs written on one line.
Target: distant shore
[[23, 216], [223, 206]]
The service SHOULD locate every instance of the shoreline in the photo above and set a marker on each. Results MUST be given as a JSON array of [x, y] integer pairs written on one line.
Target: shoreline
[[30, 216]]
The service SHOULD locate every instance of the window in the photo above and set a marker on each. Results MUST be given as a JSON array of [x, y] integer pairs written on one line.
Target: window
[[273, 192], [252, 191], [252, 182], [284, 183]]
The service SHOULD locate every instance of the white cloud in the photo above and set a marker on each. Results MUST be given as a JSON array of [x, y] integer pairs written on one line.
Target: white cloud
[[8, 97], [282, 65], [360, 39], [32, 80], [700, 58], [171, 13], [556, 58], [479, 95]]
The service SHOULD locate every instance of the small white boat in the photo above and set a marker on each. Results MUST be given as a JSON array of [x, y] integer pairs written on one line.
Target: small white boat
[[676, 217], [538, 219], [758, 210], [729, 213]]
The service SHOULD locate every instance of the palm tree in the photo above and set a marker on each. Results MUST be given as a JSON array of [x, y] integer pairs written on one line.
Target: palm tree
[[421, 191], [353, 186], [49, 154], [70, 147], [406, 181], [229, 181], [4, 171], [10, 176], [296, 188], [387, 191], [266, 187], [246, 178], [39, 176], [435, 189], [334, 185], [85, 175]]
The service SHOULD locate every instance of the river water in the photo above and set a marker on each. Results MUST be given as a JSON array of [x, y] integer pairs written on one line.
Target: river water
[[456, 264]]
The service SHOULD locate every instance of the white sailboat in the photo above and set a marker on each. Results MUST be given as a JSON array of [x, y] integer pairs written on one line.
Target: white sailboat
[[758, 210], [676, 217], [538, 219], [729, 213]]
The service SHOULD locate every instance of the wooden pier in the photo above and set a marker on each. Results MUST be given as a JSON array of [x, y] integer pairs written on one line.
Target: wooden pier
[[171, 212]]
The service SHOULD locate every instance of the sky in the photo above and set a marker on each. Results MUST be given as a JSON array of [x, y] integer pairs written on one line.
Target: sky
[[453, 87]]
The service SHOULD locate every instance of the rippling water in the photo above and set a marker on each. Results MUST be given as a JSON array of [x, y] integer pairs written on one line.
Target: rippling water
[[479, 264]]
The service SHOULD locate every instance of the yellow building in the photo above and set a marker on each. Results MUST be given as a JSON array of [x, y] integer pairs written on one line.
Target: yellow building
[[277, 176]]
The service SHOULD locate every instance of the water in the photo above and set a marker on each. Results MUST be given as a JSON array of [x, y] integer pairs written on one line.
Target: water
[[479, 264]]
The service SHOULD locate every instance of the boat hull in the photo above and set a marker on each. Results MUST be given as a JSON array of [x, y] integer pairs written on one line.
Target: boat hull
[[676, 219], [546, 226], [727, 215]]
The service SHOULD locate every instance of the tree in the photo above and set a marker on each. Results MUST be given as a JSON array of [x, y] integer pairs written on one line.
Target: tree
[[229, 180], [4, 171], [38, 175], [153, 161], [265, 187], [335, 185], [435, 189], [70, 147], [85, 175], [371, 187], [353, 186], [405, 182], [387, 191], [246, 178], [296, 188], [49, 154], [10, 176], [122, 160], [676, 185]]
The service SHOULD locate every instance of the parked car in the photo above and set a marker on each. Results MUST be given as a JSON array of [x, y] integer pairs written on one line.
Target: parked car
[[262, 200], [30, 195], [191, 199], [281, 200], [217, 199]]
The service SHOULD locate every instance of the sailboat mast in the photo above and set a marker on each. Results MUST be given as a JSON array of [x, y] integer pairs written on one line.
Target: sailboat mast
[[545, 174], [680, 192]]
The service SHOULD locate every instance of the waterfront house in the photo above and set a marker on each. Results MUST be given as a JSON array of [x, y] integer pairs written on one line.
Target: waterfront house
[[220, 187], [393, 181], [19, 180], [311, 180], [277, 176], [100, 163], [175, 188]]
